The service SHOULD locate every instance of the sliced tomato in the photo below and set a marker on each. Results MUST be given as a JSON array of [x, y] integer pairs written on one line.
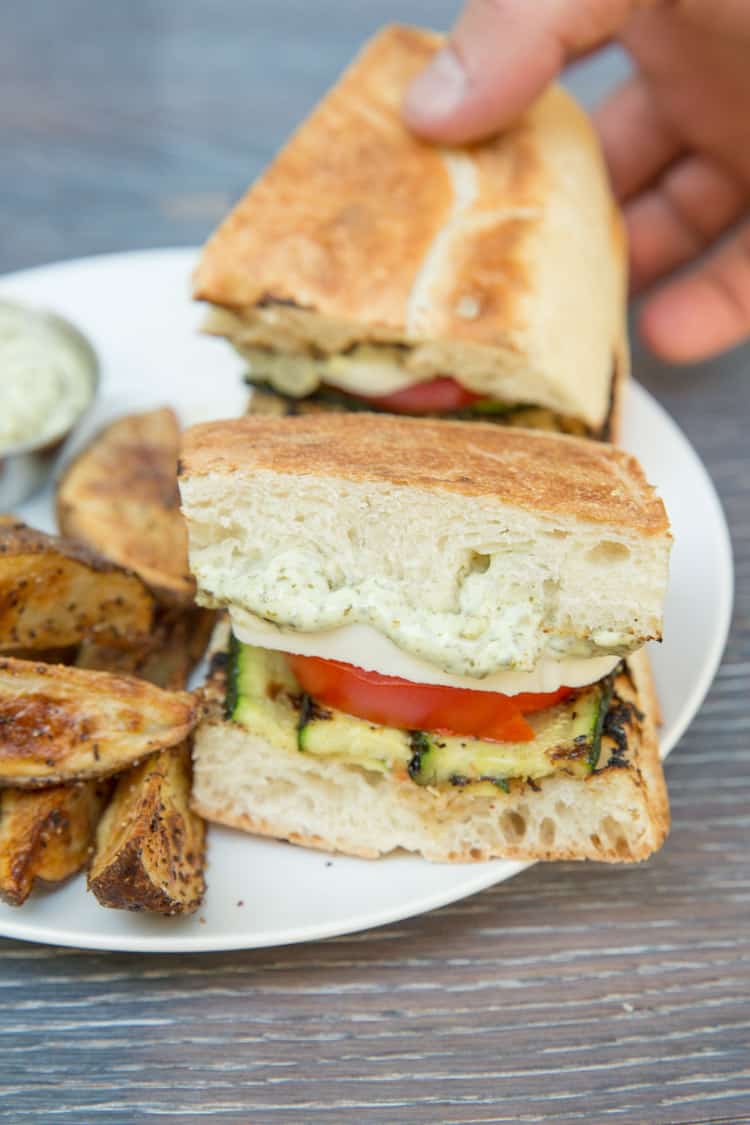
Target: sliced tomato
[[399, 703], [438, 396]]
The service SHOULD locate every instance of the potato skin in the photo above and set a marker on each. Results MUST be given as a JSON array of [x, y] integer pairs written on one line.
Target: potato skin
[[46, 835], [54, 593], [128, 636], [62, 724], [62, 602], [120, 497], [150, 845], [165, 658]]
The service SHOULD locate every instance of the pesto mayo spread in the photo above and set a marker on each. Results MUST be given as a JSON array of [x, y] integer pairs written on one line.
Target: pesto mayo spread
[[487, 633], [45, 383]]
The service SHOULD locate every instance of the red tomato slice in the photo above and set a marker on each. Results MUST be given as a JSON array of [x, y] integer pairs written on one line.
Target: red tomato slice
[[437, 396], [394, 702]]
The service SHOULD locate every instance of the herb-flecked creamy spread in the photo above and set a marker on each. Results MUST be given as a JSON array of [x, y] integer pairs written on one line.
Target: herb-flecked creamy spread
[[486, 635], [44, 385]]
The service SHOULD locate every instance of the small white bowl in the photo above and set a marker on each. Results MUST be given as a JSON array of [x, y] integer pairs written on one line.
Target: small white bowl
[[26, 467]]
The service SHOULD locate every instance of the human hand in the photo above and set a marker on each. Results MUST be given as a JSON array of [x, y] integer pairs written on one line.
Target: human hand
[[676, 137]]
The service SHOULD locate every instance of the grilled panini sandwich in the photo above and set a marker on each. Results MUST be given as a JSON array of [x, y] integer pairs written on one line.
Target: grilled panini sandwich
[[437, 635], [367, 269]]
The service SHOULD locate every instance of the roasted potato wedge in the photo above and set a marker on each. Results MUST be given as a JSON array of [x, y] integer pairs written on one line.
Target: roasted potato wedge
[[62, 724], [54, 592], [65, 655], [150, 844], [120, 497], [177, 643], [47, 834]]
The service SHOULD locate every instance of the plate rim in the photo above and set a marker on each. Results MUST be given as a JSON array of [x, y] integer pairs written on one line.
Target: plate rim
[[484, 877], [726, 579]]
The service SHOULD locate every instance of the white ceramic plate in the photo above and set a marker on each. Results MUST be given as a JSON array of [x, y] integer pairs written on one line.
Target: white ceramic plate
[[136, 311]]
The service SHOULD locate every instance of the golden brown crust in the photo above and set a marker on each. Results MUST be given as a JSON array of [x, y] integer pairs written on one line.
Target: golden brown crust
[[371, 207], [541, 472], [46, 834], [647, 689], [119, 496], [358, 231], [640, 669], [314, 230], [66, 724], [54, 592], [150, 844]]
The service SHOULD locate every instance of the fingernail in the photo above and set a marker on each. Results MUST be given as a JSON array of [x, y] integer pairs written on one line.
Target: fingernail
[[439, 89]]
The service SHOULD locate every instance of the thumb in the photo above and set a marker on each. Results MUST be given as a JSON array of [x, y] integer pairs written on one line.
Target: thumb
[[500, 55]]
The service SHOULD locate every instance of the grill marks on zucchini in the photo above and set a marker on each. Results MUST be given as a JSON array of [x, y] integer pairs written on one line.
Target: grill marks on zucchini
[[607, 691], [460, 781], [233, 671], [621, 715], [309, 711], [263, 696], [420, 745], [563, 744]]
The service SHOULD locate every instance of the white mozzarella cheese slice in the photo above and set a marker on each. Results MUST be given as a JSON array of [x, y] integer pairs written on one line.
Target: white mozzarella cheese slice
[[366, 648]]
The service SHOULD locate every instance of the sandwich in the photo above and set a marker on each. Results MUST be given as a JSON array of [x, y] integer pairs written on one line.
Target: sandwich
[[368, 270], [435, 637]]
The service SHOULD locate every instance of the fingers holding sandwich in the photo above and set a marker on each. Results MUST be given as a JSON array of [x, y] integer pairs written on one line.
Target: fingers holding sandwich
[[671, 137], [706, 311], [500, 56]]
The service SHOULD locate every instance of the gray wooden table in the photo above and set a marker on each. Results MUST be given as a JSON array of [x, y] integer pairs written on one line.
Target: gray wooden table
[[570, 994]]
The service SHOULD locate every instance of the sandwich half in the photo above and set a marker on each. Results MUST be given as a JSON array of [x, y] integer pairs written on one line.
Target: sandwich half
[[436, 641], [367, 269]]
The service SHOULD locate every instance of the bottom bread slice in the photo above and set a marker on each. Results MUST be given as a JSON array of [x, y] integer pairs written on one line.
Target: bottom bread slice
[[617, 814]]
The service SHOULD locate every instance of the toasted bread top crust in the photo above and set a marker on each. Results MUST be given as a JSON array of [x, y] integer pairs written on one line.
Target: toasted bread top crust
[[505, 259], [345, 213], [537, 471], [343, 218]]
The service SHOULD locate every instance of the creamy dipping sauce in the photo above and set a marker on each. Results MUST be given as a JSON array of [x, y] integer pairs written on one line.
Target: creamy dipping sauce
[[45, 378]]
